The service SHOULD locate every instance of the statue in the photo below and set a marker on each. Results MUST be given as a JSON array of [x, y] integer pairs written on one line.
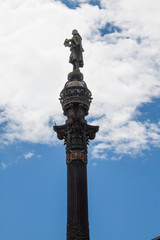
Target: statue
[[75, 44]]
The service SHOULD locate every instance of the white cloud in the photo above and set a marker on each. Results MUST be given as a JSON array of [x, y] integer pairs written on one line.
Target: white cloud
[[121, 69], [80, 1], [28, 155], [94, 164], [4, 165]]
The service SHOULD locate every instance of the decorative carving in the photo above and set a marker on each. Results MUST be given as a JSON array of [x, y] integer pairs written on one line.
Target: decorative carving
[[74, 97], [76, 156], [76, 134], [60, 130], [91, 131], [74, 230], [75, 92]]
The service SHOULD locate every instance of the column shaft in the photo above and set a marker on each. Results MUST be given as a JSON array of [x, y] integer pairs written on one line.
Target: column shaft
[[77, 201]]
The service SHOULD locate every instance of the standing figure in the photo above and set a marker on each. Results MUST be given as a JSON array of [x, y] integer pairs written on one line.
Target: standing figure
[[75, 44]]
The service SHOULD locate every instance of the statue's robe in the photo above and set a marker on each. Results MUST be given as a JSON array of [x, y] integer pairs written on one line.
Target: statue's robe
[[76, 50]]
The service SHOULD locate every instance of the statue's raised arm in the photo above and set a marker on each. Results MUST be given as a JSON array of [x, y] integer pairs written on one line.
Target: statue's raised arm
[[75, 44]]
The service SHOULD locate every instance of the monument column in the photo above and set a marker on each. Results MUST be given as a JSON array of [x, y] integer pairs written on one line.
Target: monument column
[[75, 99]]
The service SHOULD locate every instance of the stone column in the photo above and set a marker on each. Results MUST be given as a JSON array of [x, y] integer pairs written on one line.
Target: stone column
[[75, 99]]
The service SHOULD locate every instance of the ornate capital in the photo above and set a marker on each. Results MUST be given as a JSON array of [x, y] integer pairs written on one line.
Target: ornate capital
[[76, 134]]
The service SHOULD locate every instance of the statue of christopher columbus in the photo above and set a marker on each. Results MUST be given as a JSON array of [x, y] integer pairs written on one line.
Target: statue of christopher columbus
[[75, 44]]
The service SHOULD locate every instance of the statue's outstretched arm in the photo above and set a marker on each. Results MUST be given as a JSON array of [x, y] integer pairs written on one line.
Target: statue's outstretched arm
[[67, 42]]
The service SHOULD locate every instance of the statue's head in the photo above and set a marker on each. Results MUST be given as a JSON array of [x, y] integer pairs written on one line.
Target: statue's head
[[74, 32]]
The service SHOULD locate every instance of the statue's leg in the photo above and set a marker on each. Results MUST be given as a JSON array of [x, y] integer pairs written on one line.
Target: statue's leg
[[74, 65], [77, 65]]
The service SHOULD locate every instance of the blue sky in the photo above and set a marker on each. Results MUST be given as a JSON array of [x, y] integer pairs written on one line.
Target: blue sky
[[121, 42]]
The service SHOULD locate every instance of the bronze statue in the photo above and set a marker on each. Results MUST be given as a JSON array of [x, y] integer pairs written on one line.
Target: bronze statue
[[75, 44]]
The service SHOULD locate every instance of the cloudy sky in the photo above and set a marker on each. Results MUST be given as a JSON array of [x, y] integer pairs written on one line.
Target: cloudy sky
[[122, 68]]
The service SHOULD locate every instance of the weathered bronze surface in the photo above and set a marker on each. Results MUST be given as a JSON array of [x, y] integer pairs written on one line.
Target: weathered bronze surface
[[75, 99], [75, 45]]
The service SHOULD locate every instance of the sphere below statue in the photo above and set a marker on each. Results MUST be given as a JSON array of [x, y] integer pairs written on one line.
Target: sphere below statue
[[75, 76]]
